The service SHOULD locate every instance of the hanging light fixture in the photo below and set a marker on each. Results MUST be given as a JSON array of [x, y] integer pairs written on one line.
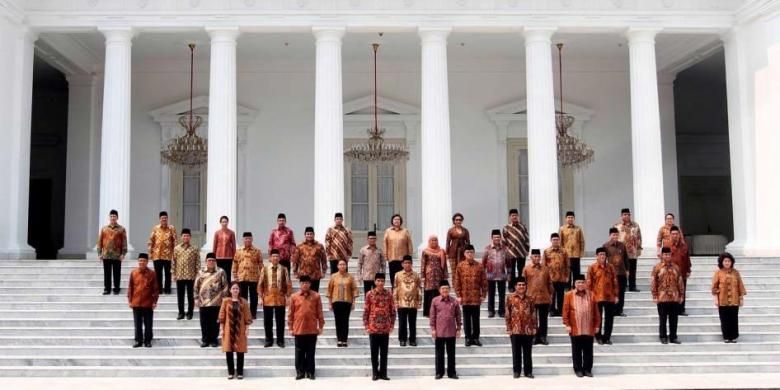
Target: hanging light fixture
[[187, 150], [572, 152], [375, 149]]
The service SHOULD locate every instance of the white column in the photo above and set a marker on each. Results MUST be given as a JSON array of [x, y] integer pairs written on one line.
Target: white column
[[646, 148], [222, 134], [741, 141], [328, 130], [544, 214], [19, 47], [435, 160], [115, 130], [767, 159]]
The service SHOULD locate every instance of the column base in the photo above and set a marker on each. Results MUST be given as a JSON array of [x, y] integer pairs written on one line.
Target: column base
[[752, 250], [18, 253]]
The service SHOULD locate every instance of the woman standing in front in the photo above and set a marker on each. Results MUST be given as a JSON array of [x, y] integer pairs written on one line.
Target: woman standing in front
[[397, 244], [433, 269], [728, 292], [457, 239], [234, 319], [342, 292]]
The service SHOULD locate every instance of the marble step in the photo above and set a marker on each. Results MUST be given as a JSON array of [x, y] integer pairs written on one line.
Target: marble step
[[124, 337], [193, 349], [359, 358], [408, 370]]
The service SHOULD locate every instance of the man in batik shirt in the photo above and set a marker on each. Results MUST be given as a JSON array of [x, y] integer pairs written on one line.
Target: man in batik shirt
[[161, 244], [310, 260], [471, 286], [517, 243], [521, 326], [668, 289], [379, 320], [617, 256], [247, 265], [275, 288], [370, 261], [186, 265], [496, 263], [407, 295], [573, 242], [681, 259], [210, 287], [539, 287], [630, 235], [557, 262], [111, 250], [338, 243], [283, 240]]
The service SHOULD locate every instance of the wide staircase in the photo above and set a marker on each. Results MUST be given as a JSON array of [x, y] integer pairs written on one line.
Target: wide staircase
[[55, 322]]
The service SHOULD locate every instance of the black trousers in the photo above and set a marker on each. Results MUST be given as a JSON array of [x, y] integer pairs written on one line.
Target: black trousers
[[227, 266], [305, 347], [494, 285], [428, 296], [516, 268], [341, 311], [249, 289], [622, 284], [542, 311], [182, 287], [729, 321], [394, 266], [471, 321], [143, 319], [607, 310], [407, 316], [269, 314], [162, 268], [448, 344], [521, 353], [560, 289], [209, 327], [632, 274], [685, 292], [238, 369], [111, 267], [574, 269], [368, 285], [378, 343], [670, 311], [582, 353]]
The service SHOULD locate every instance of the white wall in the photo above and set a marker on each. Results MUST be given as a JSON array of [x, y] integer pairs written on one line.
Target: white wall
[[279, 162]]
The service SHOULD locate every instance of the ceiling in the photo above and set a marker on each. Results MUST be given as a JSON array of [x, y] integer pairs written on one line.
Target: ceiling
[[672, 49]]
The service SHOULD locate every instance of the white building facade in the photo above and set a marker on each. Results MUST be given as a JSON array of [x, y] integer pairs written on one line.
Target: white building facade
[[468, 86]]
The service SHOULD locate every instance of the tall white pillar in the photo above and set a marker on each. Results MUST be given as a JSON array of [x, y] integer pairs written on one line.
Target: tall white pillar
[[767, 194], [435, 146], [741, 142], [222, 133], [328, 130], [646, 150], [18, 46], [543, 202], [115, 130]]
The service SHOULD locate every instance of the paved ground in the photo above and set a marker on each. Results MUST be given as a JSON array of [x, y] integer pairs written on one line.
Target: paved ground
[[555, 382]]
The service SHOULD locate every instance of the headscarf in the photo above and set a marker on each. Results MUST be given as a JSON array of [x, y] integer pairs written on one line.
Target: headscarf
[[434, 249]]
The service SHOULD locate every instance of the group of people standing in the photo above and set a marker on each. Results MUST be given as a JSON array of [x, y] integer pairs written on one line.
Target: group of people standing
[[235, 280]]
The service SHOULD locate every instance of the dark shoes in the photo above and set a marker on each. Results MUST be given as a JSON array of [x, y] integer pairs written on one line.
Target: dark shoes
[[529, 376], [116, 291], [239, 377], [516, 375], [501, 314], [684, 314], [180, 316], [268, 344], [664, 340], [148, 344], [476, 342], [214, 344], [384, 378], [608, 342], [311, 376], [375, 378], [437, 377], [189, 316], [299, 376], [204, 344], [106, 292], [675, 341], [543, 341], [579, 374], [634, 290], [622, 315], [454, 376], [280, 344], [468, 342], [413, 343], [588, 374], [491, 314], [403, 343], [137, 344]]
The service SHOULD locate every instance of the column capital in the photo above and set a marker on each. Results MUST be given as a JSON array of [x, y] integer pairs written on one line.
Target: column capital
[[223, 34], [123, 34], [539, 34], [328, 34], [28, 33], [433, 34], [642, 34]]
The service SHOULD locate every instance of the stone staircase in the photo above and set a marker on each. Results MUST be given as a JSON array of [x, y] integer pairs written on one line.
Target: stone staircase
[[55, 322]]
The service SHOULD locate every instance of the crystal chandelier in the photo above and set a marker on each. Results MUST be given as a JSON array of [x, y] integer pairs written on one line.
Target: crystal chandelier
[[572, 152], [187, 150], [375, 149]]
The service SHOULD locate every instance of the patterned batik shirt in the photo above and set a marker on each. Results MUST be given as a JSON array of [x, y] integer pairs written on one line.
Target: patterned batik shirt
[[210, 287], [520, 315], [186, 262], [617, 255], [283, 240], [310, 260], [379, 312], [470, 282], [666, 283], [112, 242], [516, 240], [247, 264], [572, 240], [630, 235], [338, 243], [495, 262], [161, 242], [407, 290], [275, 285], [557, 262], [370, 261]]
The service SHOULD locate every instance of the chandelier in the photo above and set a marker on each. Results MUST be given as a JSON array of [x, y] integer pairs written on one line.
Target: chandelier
[[572, 152], [188, 149], [375, 149]]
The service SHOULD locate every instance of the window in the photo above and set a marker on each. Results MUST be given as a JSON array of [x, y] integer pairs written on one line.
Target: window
[[372, 195], [191, 199]]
